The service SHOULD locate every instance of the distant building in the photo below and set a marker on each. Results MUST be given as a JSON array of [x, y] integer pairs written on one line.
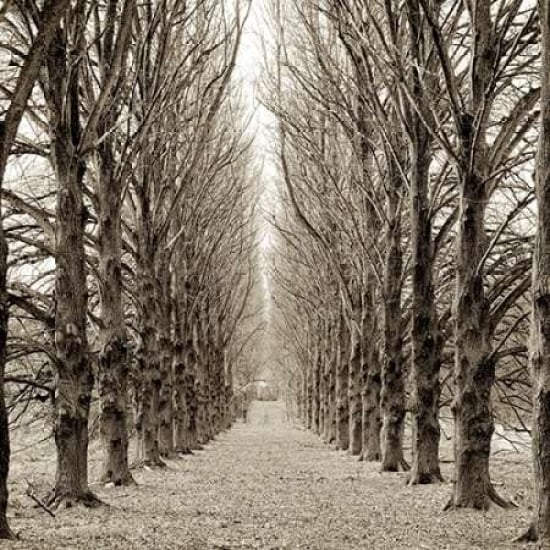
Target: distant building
[[261, 390]]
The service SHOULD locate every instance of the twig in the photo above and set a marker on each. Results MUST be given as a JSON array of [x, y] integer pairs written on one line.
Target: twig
[[30, 493]]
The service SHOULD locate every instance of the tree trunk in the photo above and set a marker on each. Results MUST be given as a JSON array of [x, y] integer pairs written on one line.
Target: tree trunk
[[217, 389], [147, 375], [179, 368], [323, 383], [425, 339], [113, 387], [191, 396], [5, 531], [52, 13], [302, 393], [393, 387], [74, 378], [316, 384], [474, 372], [332, 402], [113, 354], [328, 375], [309, 390], [370, 356], [181, 416], [229, 417], [201, 385], [166, 405], [166, 410], [357, 381], [342, 374], [327, 402], [210, 372], [372, 423], [540, 330], [323, 393], [74, 375]]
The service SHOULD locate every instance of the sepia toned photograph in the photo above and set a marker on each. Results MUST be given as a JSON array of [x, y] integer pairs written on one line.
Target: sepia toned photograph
[[274, 274]]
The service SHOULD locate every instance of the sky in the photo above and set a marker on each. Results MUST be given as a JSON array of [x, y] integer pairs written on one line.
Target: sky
[[249, 71], [248, 75]]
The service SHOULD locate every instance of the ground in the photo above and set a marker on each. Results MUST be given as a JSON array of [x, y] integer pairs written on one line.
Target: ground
[[269, 485]]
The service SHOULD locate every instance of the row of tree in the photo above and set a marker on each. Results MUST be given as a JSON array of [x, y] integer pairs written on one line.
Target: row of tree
[[128, 211], [407, 144]]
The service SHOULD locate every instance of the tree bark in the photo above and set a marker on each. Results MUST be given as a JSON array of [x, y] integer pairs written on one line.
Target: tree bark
[[393, 386], [229, 417], [342, 383], [357, 380], [323, 384], [540, 328], [372, 423], [332, 403], [425, 338], [74, 374], [179, 368], [147, 375], [201, 380], [166, 405], [474, 372], [5, 449], [316, 383], [181, 416], [113, 354], [5, 531], [370, 356], [191, 396], [74, 378], [309, 387], [52, 13]]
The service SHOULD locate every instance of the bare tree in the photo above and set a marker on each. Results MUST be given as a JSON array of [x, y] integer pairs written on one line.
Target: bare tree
[[19, 96], [540, 326]]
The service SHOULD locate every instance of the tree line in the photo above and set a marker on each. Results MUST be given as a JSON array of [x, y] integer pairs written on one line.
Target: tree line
[[127, 264], [412, 143]]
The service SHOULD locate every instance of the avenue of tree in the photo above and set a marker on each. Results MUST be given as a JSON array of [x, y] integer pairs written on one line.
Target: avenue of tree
[[410, 137], [128, 208], [410, 268]]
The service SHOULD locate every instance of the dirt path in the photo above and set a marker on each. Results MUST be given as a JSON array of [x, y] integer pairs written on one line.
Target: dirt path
[[268, 485]]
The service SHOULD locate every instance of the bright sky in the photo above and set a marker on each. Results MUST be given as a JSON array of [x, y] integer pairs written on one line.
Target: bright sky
[[250, 68]]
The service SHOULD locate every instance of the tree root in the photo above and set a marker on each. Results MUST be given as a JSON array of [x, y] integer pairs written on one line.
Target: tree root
[[531, 535], [111, 481], [431, 478], [6, 533], [31, 494], [402, 466], [157, 464], [183, 452], [57, 500], [490, 497], [370, 457], [169, 455], [498, 500]]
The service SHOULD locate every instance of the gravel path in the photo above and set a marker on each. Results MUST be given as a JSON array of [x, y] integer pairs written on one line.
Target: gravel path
[[269, 485]]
